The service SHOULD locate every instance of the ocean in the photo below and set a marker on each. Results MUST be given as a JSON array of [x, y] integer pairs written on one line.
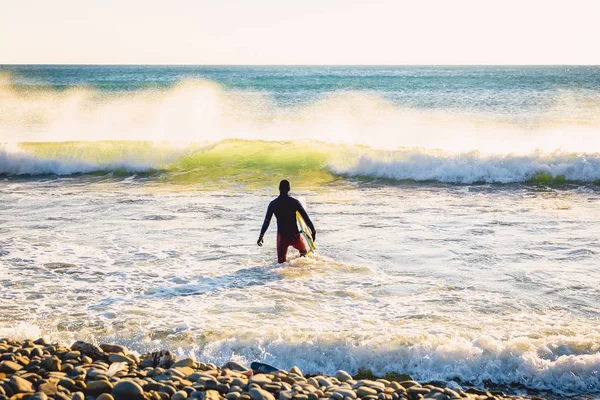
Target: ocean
[[456, 210]]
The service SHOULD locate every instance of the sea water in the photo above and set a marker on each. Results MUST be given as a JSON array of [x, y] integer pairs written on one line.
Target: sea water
[[456, 210]]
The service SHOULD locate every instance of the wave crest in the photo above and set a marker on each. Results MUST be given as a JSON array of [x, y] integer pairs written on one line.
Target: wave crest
[[251, 161]]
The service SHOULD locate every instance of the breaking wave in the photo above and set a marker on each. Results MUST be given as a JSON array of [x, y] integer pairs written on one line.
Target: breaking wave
[[201, 129], [255, 159]]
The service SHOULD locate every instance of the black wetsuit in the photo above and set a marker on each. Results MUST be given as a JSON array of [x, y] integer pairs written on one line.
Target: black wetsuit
[[284, 207]]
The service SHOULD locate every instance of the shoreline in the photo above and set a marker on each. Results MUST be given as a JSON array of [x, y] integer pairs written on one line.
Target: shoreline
[[39, 370]]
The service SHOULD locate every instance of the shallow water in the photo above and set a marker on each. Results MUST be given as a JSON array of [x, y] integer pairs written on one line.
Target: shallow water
[[442, 282]]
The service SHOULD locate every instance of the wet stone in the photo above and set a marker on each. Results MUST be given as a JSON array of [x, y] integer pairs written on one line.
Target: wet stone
[[179, 395], [10, 367], [78, 396], [235, 366], [259, 394], [128, 390], [186, 362], [21, 385], [105, 396], [39, 396], [114, 348], [113, 357], [170, 390], [343, 376], [97, 387], [363, 391], [408, 384]]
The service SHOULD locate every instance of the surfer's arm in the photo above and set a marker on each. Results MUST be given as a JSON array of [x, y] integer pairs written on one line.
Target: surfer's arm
[[267, 221], [306, 219]]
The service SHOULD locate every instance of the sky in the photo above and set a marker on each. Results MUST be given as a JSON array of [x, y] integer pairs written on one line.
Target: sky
[[276, 32]]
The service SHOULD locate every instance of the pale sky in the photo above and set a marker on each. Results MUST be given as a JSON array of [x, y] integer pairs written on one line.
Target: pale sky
[[300, 32]]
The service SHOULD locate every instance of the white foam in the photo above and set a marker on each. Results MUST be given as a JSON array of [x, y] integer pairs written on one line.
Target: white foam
[[423, 165]]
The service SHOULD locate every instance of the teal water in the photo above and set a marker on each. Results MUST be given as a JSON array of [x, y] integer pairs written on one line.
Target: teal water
[[501, 90]]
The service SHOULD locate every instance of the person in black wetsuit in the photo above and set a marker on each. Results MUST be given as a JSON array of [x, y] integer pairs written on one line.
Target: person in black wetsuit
[[284, 207]]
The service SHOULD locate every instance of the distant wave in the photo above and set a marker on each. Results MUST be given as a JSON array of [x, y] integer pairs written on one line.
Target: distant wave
[[254, 159]]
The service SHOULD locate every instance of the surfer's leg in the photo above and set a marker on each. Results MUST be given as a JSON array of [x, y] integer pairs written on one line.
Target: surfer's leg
[[282, 247], [300, 245]]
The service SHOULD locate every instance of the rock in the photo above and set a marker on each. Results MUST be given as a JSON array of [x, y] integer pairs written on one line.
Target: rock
[[416, 390], [235, 366], [105, 396], [296, 370], [21, 385], [186, 362], [51, 364], [61, 396], [210, 395], [48, 387], [98, 387], [72, 355], [10, 367], [114, 348], [39, 396], [346, 393], [114, 358], [68, 384], [343, 376], [365, 391], [128, 390], [259, 379], [259, 394], [78, 396], [168, 389], [408, 384], [41, 341], [162, 359], [179, 395], [185, 371], [89, 349], [20, 396], [286, 395]]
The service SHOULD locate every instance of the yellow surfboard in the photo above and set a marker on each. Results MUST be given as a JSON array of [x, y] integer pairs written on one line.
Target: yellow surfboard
[[305, 232]]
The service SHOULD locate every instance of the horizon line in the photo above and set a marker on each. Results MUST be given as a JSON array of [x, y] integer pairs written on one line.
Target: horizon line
[[297, 65]]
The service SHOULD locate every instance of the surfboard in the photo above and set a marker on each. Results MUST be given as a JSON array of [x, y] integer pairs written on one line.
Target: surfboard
[[305, 232]]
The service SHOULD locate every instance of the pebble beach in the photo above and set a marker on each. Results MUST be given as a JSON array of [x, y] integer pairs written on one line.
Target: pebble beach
[[38, 370]]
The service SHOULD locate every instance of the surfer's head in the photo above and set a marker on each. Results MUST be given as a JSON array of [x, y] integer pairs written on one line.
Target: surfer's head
[[284, 187]]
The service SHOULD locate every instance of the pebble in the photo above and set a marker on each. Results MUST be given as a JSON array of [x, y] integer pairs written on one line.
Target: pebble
[[259, 394], [105, 396], [97, 387], [114, 358], [113, 348], [10, 367], [343, 376], [179, 395], [21, 385], [78, 396], [186, 362], [363, 391], [128, 390], [235, 366]]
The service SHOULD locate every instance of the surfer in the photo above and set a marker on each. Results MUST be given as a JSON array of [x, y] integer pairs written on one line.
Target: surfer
[[284, 207]]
